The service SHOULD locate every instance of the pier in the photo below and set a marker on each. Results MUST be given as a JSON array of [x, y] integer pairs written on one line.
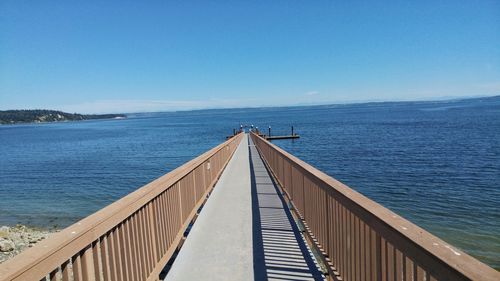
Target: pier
[[256, 130], [244, 210]]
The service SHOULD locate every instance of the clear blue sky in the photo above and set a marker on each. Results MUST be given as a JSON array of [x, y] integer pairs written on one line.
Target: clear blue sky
[[114, 56]]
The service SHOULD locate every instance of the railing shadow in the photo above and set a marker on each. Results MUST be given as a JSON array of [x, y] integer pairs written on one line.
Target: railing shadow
[[279, 250]]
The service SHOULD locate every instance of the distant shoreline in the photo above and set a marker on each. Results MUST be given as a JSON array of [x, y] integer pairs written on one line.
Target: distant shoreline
[[329, 104], [12, 117], [480, 98]]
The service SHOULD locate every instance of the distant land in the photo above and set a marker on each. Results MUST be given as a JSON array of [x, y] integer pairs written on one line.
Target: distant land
[[475, 101], [43, 115]]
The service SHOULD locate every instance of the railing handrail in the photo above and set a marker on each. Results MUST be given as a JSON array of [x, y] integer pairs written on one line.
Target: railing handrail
[[60, 246], [424, 242]]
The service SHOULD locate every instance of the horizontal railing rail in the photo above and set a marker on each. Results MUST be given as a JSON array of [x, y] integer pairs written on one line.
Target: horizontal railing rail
[[359, 238], [132, 238]]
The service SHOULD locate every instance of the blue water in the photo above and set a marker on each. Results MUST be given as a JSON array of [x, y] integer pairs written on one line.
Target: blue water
[[435, 163]]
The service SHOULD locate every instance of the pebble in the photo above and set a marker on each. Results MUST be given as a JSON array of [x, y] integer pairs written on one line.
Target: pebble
[[15, 239]]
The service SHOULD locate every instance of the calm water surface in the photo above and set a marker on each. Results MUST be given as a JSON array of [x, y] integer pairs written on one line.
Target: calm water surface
[[435, 163]]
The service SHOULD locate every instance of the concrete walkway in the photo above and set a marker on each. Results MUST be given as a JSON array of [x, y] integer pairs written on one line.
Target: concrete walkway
[[244, 231]]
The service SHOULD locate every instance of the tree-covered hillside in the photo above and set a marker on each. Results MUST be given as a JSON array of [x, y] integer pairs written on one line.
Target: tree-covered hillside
[[42, 115]]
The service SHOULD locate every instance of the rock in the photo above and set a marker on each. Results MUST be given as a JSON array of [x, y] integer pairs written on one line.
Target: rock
[[20, 238], [33, 238], [6, 246]]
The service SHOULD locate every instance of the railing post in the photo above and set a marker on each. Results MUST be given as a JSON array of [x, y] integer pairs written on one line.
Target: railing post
[[87, 271], [378, 257], [180, 201], [152, 216], [77, 271], [65, 271], [95, 257]]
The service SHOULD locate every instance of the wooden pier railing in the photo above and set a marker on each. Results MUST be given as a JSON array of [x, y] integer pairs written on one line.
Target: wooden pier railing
[[360, 239], [133, 238]]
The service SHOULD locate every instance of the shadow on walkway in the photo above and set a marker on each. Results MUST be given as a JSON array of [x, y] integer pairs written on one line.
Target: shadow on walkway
[[279, 250]]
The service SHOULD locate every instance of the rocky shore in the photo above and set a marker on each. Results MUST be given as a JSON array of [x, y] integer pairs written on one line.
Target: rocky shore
[[15, 239]]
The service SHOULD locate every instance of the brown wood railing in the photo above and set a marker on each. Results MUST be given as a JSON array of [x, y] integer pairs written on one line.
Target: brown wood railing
[[134, 237], [360, 239]]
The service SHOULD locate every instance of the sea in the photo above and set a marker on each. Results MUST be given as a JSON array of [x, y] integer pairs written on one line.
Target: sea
[[436, 163]]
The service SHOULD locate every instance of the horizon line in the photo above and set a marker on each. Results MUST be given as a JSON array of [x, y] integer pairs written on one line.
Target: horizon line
[[352, 102]]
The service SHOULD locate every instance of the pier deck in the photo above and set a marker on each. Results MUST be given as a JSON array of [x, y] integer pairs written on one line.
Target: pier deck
[[245, 231], [247, 189]]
